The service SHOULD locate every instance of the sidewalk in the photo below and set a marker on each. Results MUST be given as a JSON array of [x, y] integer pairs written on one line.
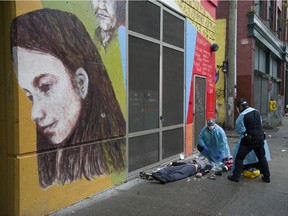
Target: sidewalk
[[199, 197]]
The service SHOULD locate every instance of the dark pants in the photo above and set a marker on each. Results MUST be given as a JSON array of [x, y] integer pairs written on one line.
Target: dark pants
[[175, 173], [244, 149]]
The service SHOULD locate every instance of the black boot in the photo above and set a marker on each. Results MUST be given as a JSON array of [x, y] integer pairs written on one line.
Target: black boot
[[233, 178], [266, 179]]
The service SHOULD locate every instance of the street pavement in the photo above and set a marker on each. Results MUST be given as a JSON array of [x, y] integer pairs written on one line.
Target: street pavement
[[199, 196]]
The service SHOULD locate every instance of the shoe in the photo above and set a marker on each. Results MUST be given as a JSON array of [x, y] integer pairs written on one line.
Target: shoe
[[159, 178], [265, 179], [145, 176], [233, 178], [142, 175]]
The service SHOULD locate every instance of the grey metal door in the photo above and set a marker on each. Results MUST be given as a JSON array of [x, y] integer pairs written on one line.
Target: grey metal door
[[199, 106]]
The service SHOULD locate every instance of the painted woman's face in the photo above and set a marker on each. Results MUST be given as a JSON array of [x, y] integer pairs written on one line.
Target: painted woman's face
[[56, 103], [105, 11]]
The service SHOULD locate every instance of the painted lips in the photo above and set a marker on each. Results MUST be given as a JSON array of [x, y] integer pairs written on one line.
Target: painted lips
[[102, 16], [48, 129]]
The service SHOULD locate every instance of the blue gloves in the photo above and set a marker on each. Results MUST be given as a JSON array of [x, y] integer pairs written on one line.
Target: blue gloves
[[218, 155], [205, 147]]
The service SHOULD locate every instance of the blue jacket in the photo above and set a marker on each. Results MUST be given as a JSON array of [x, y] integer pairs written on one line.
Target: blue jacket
[[216, 141]]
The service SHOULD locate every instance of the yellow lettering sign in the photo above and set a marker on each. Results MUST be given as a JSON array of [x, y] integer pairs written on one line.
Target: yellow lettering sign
[[272, 105]]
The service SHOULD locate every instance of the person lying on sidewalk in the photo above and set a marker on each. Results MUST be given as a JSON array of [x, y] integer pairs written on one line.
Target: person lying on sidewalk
[[179, 170], [213, 144]]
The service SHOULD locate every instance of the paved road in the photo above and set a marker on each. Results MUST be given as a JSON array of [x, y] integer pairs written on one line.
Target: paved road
[[200, 197]]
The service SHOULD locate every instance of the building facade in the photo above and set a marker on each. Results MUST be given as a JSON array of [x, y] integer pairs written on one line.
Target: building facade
[[96, 91], [261, 56]]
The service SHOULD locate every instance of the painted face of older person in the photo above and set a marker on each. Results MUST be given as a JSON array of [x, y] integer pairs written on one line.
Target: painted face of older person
[[105, 11], [56, 101]]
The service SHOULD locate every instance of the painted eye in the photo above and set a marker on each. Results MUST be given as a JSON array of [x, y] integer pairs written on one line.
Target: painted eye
[[45, 87], [30, 97]]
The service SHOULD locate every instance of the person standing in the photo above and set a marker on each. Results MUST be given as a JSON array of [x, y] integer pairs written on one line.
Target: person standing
[[213, 143], [249, 126]]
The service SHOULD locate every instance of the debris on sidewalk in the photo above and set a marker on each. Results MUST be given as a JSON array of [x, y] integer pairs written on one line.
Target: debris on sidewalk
[[219, 173], [182, 156], [211, 178]]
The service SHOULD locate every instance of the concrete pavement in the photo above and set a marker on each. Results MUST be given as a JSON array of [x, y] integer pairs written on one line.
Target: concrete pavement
[[200, 197]]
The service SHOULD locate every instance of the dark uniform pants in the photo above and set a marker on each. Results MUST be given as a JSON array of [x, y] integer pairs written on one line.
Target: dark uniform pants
[[244, 149], [177, 172]]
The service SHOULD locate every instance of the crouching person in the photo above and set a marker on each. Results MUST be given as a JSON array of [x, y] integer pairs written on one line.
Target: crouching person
[[213, 144]]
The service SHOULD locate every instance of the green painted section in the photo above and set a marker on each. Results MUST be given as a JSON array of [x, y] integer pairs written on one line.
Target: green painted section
[[111, 56]]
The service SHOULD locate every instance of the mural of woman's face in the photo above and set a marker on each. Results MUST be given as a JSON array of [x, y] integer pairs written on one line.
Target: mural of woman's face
[[105, 11], [56, 102]]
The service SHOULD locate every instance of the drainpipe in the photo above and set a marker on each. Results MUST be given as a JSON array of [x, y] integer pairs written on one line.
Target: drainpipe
[[232, 72]]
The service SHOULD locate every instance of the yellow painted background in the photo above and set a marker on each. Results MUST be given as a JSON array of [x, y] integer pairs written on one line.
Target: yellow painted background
[[199, 17], [220, 57], [35, 201]]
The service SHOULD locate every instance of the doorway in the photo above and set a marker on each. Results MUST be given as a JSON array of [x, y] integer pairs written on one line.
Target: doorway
[[199, 106]]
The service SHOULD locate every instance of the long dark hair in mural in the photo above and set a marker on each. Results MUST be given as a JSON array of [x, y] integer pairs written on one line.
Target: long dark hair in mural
[[109, 15], [73, 102]]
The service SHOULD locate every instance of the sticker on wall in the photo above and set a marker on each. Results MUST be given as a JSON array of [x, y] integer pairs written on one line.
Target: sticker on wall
[[272, 105]]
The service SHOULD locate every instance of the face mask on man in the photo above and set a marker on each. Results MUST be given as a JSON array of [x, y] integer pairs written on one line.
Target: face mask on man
[[211, 127]]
